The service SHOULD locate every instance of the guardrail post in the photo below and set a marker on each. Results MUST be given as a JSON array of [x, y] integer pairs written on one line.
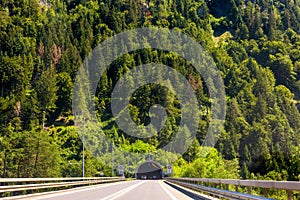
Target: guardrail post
[[289, 193], [249, 189], [236, 188], [265, 192]]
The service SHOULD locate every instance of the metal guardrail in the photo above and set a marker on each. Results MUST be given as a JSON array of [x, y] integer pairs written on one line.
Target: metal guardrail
[[18, 186], [210, 186]]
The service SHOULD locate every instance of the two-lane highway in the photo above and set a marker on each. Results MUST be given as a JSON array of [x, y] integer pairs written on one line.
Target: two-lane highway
[[133, 190]]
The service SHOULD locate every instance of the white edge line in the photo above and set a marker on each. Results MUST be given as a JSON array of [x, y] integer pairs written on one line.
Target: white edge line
[[167, 191], [73, 190]]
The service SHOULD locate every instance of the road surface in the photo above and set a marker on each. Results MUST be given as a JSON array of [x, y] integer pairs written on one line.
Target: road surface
[[133, 190]]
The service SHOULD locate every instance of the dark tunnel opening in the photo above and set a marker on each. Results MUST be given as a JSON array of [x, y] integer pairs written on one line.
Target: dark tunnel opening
[[149, 170]]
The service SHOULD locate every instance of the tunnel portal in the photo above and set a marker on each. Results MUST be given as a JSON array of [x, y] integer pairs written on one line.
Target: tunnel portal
[[149, 170]]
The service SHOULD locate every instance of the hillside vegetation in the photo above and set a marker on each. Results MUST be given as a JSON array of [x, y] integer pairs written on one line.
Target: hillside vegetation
[[255, 44]]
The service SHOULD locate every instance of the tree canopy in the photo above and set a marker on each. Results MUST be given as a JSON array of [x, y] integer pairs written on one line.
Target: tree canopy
[[255, 45]]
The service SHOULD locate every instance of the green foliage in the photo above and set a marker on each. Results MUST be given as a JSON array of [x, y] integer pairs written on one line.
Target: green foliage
[[211, 166], [139, 147], [29, 154], [254, 44]]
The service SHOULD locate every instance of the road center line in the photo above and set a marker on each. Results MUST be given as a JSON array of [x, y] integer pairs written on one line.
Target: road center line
[[120, 193], [167, 191]]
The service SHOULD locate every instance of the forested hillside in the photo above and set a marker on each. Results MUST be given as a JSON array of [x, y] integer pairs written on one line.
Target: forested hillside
[[255, 44]]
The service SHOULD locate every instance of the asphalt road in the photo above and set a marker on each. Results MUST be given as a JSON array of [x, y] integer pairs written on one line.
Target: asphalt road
[[133, 190]]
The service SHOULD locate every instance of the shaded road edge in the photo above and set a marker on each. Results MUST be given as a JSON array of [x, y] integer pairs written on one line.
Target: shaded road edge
[[189, 192]]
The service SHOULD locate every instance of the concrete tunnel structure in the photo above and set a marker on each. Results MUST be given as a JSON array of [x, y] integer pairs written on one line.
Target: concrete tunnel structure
[[149, 170]]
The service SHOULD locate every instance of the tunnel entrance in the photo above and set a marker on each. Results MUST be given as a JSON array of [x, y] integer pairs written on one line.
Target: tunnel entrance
[[149, 170]]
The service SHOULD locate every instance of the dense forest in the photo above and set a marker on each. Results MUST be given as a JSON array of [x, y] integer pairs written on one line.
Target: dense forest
[[254, 43]]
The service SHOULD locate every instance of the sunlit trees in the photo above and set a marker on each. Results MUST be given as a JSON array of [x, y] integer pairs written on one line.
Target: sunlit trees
[[255, 45]]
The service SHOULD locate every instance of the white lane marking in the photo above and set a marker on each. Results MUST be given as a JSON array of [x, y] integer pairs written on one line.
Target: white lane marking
[[122, 192], [76, 190], [167, 191]]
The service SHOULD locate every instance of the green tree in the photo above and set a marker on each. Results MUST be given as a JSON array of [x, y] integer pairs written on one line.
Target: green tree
[[46, 92]]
